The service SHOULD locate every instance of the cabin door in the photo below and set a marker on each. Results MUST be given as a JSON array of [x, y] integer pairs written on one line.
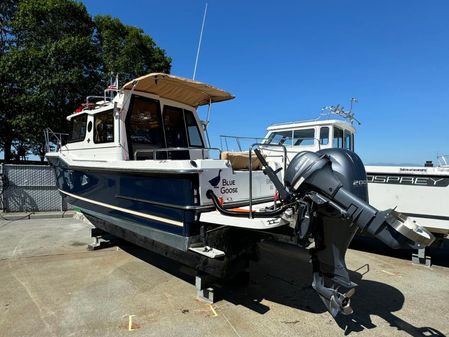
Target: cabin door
[[144, 129]]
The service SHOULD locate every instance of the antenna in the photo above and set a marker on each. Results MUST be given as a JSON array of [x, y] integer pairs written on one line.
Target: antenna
[[199, 42], [353, 100], [340, 111]]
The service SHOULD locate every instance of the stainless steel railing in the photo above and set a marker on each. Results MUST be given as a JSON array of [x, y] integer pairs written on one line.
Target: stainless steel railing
[[443, 160], [284, 161], [204, 151], [53, 138], [226, 142]]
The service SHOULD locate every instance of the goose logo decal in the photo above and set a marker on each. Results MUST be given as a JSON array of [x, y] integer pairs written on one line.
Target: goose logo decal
[[215, 181]]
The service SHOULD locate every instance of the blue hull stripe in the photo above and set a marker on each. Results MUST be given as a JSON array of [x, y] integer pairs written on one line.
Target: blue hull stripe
[[125, 210]]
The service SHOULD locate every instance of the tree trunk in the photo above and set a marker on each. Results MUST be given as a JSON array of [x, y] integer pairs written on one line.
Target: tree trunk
[[7, 150]]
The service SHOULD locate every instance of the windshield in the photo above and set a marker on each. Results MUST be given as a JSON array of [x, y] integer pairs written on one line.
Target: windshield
[[280, 138]]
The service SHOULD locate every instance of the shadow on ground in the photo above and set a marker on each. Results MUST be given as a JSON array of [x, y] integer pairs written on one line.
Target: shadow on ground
[[284, 275], [439, 255]]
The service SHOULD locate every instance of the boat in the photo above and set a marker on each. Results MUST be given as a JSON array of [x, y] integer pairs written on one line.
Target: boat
[[138, 165], [419, 192]]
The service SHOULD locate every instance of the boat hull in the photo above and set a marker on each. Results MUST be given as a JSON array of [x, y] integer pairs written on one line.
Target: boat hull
[[420, 193], [160, 206]]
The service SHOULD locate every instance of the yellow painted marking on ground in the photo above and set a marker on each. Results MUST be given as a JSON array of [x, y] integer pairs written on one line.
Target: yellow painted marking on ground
[[389, 273], [130, 322], [213, 310]]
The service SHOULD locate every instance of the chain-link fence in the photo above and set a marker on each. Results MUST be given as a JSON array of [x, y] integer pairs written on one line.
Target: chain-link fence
[[29, 188]]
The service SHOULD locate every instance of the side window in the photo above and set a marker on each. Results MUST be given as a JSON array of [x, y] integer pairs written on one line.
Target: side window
[[192, 130], [78, 129], [175, 130], [304, 137], [338, 137], [104, 127], [324, 135], [348, 140]]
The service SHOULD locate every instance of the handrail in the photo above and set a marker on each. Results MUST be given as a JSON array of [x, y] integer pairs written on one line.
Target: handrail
[[224, 138], [174, 149], [251, 171], [443, 160], [48, 133], [296, 122]]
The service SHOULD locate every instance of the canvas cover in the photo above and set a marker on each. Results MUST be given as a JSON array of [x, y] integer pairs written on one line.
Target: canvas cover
[[178, 89], [240, 160]]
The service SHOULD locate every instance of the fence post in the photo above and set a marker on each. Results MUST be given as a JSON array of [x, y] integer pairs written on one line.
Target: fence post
[[1, 188]]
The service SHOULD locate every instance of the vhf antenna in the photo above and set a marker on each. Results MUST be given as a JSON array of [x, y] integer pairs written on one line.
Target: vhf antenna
[[199, 43], [340, 111]]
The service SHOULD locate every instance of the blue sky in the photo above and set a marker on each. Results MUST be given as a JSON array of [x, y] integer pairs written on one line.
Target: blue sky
[[284, 60]]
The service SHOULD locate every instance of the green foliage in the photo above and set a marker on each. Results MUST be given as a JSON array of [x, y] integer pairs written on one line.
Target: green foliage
[[42, 22], [126, 50], [7, 11], [52, 56], [49, 65]]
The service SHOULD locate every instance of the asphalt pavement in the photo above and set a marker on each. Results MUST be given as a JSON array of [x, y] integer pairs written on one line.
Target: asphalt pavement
[[51, 285]]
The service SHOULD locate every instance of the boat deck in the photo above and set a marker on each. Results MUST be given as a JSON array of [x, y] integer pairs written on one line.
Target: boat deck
[[53, 286]]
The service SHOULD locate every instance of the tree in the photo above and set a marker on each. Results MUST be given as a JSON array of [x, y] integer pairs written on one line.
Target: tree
[[50, 64], [7, 11], [127, 51], [52, 56]]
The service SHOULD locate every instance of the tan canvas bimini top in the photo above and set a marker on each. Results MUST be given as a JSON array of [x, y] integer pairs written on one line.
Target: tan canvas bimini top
[[178, 89]]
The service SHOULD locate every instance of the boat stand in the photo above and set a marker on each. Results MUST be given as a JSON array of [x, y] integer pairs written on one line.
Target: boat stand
[[102, 239], [204, 290], [422, 258]]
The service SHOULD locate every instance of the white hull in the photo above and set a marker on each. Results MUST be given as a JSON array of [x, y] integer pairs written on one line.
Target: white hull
[[419, 192]]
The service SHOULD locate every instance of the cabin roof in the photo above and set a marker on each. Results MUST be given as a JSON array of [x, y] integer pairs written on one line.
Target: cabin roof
[[178, 89], [302, 124]]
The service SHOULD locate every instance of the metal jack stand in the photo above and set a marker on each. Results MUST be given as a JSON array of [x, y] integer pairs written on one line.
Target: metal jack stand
[[204, 291], [421, 258], [102, 239]]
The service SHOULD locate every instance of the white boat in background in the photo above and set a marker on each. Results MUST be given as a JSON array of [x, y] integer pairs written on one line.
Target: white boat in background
[[422, 193]]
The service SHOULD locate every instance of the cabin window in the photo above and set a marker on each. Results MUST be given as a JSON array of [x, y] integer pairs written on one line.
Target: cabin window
[[338, 137], [144, 128], [348, 140], [78, 129], [195, 139], [304, 137], [175, 130], [280, 138], [104, 127], [324, 135]]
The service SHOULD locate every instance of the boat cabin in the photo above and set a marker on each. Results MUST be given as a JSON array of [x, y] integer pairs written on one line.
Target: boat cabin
[[311, 136], [152, 117]]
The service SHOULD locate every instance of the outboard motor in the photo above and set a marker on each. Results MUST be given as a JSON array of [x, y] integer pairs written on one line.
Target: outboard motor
[[334, 182], [324, 198]]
